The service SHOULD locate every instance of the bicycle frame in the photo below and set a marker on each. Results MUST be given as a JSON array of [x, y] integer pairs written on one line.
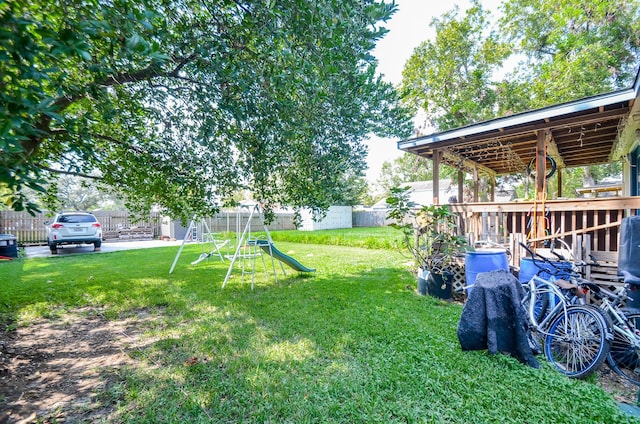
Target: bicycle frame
[[577, 338], [611, 304], [539, 285]]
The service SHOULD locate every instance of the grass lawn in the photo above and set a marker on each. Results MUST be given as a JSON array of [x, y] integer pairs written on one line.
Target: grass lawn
[[349, 345]]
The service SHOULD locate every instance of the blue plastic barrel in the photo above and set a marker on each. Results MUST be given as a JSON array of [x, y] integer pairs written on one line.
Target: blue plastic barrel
[[483, 261], [529, 268]]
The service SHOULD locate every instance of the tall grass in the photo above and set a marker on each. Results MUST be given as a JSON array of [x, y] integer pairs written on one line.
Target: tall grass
[[351, 344]]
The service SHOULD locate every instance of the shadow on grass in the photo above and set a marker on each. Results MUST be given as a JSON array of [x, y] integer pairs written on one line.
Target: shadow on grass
[[349, 344], [323, 348]]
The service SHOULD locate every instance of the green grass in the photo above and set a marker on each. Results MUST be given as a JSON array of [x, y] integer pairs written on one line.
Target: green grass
[[371, 238], [349, 345]]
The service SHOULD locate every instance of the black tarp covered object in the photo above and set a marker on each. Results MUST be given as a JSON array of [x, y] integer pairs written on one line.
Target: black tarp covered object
[[493, 318]]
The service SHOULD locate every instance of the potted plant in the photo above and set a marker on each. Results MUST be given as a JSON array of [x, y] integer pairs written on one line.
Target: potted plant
[[430, 235]]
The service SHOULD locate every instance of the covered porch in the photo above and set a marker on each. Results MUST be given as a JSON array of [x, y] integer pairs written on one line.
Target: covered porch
[[541, 144]]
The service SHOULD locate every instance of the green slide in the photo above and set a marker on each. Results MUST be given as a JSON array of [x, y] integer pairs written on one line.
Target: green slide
[[271, 250]]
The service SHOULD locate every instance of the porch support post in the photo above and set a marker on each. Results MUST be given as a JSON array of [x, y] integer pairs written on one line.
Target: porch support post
[[476, 183], [541, 165], [460, 186], [436, 177], [559, 179], [493, 188], [541, 172]]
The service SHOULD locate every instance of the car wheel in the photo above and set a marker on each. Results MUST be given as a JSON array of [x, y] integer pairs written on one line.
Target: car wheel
[[97, 244], [54, 249]]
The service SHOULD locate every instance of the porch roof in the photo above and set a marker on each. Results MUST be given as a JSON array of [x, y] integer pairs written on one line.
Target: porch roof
[[589, 131]]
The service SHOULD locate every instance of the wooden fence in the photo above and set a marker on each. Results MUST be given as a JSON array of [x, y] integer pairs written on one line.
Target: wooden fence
[[120, 225], [227, 221], [30, 230], [376, 218]]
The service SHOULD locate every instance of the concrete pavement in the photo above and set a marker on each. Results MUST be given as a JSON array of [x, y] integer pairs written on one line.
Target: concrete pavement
[[112, 246]]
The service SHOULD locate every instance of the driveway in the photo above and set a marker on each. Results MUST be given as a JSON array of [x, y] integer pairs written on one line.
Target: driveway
[[112, 246]]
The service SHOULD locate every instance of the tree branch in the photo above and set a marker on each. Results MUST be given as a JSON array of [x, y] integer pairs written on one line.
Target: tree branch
[[76, 174], [32, 145], [118, 142], [242, 6], [181, 65]]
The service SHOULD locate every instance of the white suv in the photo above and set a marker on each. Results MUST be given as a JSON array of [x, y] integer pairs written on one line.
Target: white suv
[[73, 228]]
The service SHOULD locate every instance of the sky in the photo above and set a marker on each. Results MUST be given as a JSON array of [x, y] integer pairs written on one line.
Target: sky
[[408, 27]]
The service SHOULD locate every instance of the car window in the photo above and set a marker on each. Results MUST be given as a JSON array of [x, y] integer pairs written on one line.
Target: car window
[[75, 219]]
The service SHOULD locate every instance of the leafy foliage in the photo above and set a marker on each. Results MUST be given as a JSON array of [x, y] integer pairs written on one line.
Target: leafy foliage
[[182, 103], [450, 77], [559, 51], [430, 233], [584, 48], [403, 169], [409, 168]]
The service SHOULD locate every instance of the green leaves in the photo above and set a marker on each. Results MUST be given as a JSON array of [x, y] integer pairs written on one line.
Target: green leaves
[[182, 104], [566, 50], [586, 48], [450, 78], [429, 233]]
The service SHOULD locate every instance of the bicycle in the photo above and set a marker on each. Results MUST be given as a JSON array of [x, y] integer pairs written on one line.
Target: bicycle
[[624, 350], [576, 338]]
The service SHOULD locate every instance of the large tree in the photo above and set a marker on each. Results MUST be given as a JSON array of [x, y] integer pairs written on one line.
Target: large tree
[[450, 78], [182, 103], [560, 51], [406, 168], [570, 49]]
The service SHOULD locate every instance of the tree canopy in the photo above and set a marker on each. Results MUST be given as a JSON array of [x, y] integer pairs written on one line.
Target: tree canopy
[[450, 78], [182, 103], [582, 49], [539, 53], [558, 50]]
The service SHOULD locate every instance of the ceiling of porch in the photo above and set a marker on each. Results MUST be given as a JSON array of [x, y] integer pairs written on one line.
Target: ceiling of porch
[[579, 133]]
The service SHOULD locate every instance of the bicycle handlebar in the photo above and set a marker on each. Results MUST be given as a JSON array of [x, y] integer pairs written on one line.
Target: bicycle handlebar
[[540, 259], [601, 292], [557, 255]]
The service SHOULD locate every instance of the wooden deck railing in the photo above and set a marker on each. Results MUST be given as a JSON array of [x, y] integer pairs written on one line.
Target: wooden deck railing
[[600, 218], [588, 226]]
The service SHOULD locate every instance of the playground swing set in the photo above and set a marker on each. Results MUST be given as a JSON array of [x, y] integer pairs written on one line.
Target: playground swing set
[[247, 247]]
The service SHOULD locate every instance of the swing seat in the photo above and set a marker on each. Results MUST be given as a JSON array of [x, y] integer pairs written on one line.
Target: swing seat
[[201, 258]]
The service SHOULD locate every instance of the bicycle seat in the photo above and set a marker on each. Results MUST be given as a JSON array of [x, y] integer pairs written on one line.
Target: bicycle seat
[[564, 284]]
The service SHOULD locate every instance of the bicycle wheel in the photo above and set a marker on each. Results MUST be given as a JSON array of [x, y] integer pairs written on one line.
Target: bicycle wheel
[[624, 354], [576, 343]]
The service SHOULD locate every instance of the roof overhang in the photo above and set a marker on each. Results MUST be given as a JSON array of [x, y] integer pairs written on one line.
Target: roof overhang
[[590, 131]]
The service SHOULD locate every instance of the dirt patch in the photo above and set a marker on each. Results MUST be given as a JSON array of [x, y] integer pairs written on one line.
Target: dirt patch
[[57, 370], [619, 387]]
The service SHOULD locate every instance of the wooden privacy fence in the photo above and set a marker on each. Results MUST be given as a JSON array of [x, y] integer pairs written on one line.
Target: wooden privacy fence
[[31, 229], [120, 225], [227, 221]]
